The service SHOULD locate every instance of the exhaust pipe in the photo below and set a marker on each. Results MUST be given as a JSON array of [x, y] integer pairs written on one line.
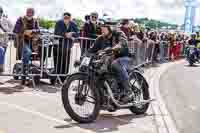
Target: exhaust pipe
[[126, 105]]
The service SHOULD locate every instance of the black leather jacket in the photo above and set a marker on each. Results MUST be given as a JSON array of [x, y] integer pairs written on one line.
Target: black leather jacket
[[117, 37]]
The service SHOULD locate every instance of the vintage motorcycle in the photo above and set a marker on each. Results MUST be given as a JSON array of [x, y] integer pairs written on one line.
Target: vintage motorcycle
[[94, 88], [192, 57]]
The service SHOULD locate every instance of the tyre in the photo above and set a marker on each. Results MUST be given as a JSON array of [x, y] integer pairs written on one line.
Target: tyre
[[141, 90], [80, 87]]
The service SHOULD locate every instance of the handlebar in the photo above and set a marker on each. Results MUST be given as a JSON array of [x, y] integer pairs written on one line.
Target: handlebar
[[108, 51]]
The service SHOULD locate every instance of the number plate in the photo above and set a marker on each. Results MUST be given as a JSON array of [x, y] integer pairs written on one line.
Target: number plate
[[86, 61]]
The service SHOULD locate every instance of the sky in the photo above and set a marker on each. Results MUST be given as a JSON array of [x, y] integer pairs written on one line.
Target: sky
[[172, 11]]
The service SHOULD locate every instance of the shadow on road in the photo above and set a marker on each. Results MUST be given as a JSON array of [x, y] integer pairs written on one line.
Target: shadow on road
[[192, 65], [12, 81], [17, 87], [11, 90], [48, 88], [105, 123]]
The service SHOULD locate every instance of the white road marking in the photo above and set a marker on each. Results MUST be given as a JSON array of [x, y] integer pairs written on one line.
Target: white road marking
[[44, 116], [159, 107]]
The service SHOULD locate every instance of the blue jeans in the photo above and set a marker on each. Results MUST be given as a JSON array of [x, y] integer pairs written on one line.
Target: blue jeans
[[120, 68], [26, 53], [2, 55]]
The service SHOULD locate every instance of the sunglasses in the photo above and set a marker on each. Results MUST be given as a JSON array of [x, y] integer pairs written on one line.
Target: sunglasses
[[66, 17], [94, 17], [30, 14]]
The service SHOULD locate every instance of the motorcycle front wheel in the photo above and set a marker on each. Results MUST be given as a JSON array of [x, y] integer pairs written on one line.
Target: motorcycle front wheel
[[80, 98]]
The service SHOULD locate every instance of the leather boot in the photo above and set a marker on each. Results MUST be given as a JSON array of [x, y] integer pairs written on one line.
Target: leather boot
[[129, 93]]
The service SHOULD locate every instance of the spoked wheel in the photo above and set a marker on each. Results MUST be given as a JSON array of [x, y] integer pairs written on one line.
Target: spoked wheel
[[81, 101], [141, 89]]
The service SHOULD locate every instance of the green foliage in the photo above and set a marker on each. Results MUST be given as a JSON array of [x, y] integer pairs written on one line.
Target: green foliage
[[150, 23], [47, 24], [78, 21], [154, 24]]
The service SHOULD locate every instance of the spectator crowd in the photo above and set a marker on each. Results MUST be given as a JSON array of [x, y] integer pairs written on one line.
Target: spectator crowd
[[156, 46]]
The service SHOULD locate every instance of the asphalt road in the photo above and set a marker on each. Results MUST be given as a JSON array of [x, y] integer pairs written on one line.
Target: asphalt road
[[25, 110], [180, 89], [38, 110]]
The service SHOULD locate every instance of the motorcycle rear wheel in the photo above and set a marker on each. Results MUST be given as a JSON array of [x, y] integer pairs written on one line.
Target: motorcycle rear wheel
[[143, 93]]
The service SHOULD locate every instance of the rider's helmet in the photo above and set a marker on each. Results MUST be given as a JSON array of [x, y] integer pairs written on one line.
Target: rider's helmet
[[193, 35]]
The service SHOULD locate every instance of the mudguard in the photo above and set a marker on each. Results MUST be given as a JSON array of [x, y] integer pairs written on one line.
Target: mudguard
[[77, 73], [138, 69]]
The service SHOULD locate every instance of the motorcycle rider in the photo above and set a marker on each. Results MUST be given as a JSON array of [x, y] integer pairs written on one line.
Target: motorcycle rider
[[198, 43], [117, 40], [198, 38], [193, 41]]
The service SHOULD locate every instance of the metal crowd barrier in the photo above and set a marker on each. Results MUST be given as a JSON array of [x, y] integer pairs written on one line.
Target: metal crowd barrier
[[169, 52], [9, 56], [63, 55], [143, 52], [51, 59], [54, 56]]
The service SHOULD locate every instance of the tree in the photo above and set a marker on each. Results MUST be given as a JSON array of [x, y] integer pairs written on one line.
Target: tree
[[154, 24], [47, 24], [78, 21]]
